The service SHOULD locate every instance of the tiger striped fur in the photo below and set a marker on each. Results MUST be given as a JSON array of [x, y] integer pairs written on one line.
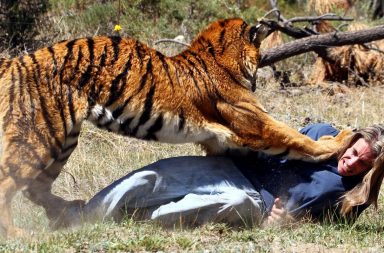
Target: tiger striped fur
[[203, 95]]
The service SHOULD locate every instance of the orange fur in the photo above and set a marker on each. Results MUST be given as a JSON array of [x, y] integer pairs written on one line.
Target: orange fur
[[202, 95]]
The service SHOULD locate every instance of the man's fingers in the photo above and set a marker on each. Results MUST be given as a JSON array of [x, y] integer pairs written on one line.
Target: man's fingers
[[277, 203]]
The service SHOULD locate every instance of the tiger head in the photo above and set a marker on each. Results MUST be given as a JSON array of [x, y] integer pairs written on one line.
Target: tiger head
[[235, 47]]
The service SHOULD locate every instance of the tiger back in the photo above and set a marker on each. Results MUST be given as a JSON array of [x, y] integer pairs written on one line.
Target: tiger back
[[203, 95]]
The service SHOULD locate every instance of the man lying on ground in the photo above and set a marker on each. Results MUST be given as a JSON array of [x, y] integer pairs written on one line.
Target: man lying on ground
[[247, 191]]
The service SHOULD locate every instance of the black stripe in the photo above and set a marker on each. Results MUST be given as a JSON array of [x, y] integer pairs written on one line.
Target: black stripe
[[71, 108], [21, 90], [154, 129], [29, 89], [191, 73], [199, 60], [223, 22], [204, 66], [54, 150], [95, 91], [115, 92], [245, 73], [212, 96], [124, 127], [42, 101], [78, 62], [60, 100], [36, 67], [116, 47], [117, 112], [6, 67], [181, 120], [54, 67], [244, 26], [233, 78], [145, 116], [73, 134], [8, 115], [88, 73], [72, 146], [138, 49], [101, 115], [165, 66], [60, 105], [145, 76], [221, 39], [211, 50], [103, 58], [69, 53], [177, 76]]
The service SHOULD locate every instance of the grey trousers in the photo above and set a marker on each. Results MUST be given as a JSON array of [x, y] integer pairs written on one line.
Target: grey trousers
[[182, 191]]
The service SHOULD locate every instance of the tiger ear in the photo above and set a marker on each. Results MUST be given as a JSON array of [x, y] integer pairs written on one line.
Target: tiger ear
[[258, 33]]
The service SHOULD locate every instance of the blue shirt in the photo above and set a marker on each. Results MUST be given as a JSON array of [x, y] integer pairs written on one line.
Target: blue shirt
[[305, 188]]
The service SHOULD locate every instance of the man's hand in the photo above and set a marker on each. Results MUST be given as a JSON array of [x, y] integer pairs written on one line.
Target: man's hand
[[279, 215]]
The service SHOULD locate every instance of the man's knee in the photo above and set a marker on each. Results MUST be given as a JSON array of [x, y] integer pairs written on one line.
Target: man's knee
[[242, 208]]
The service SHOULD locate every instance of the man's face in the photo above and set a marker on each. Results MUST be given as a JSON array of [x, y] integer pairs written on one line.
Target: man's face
[[357, 159]]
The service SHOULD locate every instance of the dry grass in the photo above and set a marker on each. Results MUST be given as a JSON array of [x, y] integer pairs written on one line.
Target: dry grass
[[327, 6], [273, 40], [353, 65]]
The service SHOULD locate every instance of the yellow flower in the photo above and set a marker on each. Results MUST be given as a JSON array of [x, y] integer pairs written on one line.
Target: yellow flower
[[117, 28]]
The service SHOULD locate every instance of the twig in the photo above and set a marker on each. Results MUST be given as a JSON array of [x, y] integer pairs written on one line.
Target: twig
[[271, 11], [279, 16], [171, 40], [328, 16]]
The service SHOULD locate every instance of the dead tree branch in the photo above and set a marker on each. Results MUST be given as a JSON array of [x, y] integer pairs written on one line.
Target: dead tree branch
[[319, 43]]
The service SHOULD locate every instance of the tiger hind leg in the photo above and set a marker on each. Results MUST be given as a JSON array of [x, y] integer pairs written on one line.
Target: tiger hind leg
[[60, 212], [27, 165]]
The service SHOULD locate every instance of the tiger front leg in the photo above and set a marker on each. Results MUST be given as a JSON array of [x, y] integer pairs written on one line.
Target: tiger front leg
[[257, 130]]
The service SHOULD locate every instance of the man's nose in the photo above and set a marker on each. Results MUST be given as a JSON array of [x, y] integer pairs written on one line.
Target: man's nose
[[352, 161]]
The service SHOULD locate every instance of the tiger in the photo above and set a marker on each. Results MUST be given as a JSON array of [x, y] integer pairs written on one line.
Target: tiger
[[204, 95]]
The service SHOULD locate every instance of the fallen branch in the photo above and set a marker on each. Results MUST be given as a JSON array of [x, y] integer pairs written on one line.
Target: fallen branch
[[328, 16], [172, 41], [320, 44]]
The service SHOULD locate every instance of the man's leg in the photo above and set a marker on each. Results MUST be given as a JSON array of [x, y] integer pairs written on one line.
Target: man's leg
[[233, 206]]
